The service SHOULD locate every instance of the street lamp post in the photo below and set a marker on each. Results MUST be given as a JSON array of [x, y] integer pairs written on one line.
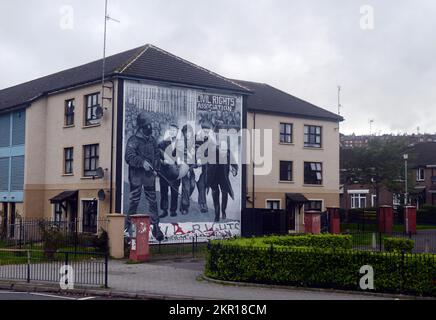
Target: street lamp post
[[406, 194]]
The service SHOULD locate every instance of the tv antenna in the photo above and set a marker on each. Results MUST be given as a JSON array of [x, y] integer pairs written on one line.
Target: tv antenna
[[339, 100], [106, 19]]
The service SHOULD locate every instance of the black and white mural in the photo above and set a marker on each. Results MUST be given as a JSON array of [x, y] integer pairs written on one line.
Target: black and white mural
[[182, 161]]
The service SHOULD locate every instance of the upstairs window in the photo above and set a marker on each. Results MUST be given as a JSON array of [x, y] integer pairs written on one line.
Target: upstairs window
[[312, 136], [313, 173], [68, 160], [69, 113], [420, 174], [91, 105], [286, 171], [285, 133], [91, 160]]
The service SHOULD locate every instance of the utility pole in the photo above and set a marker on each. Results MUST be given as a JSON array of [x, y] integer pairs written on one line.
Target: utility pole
[[406, 193]]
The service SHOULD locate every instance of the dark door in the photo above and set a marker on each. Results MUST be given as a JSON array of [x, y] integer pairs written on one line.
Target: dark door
[[4, 229], [290, 211], [13, 219]]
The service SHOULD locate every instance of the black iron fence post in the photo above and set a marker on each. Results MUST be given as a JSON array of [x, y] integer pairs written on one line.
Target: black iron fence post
[[403, 256]]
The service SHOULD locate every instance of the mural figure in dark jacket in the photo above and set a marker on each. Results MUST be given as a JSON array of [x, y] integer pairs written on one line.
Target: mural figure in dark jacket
[[187, 166], [169, 182], [218, 179], [143, 157]]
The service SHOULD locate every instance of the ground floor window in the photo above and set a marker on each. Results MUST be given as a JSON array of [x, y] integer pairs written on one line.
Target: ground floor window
[[273, 204], [358, 201], [57, 212], [90, 210], [315, 205]]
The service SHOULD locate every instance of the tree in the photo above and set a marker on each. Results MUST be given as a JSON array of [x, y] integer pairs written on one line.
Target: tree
[[380, 164]]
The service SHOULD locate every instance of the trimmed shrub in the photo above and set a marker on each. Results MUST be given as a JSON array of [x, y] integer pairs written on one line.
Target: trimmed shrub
[[399, 245], [316, 267], [310, 240], [307, 240]]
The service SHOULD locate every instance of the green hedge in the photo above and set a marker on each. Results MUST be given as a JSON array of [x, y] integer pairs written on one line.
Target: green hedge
[[399, 245], [309, 240], [316, 267]]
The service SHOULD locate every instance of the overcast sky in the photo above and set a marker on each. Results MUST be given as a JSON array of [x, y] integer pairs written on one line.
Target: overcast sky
[[307, 48]]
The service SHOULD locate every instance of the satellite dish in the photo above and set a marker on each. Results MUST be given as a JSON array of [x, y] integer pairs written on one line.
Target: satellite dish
[[99, 112], [101, 195], [99, 173]]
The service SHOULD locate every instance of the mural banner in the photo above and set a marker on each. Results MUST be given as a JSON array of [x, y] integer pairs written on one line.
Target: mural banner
[[170, 135]]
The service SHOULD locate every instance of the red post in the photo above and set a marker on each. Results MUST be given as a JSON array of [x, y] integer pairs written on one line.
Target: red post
[[335, 220], [140, 249], [386, 219], [312, 222], [410, 219]]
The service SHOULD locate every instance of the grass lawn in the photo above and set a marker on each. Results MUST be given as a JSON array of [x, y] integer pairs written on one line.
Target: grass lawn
[[9, 257]]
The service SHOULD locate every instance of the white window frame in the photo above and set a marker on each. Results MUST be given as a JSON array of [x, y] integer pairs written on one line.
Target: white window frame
[[358, 197], [373, 200], [420, 177]]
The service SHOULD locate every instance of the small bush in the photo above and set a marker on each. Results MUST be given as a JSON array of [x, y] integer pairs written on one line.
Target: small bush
[[52, 238], [399, 245], [426, 215]]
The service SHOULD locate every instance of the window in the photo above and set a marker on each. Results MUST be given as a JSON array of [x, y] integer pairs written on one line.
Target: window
[[313, 206], [69, 112], [312, 136], [286, 171], [313, 173], [89, 223], [358, 201], [420, 174], [373, 200], [91, 109], [68, 161], [57, 212], [285, 133], [91, 159], [17, 173], [273, 204]]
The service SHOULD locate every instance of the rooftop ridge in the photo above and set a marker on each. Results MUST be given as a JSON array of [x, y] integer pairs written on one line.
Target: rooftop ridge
[[199, 67]]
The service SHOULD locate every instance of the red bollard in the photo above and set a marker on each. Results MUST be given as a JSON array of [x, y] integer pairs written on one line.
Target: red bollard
[[312, 222], [335, 220], [410, 219], [140, 249], [386, 219]]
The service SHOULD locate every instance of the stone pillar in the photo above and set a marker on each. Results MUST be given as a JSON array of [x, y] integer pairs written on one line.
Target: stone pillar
[[335, 220], [386, 219], [312, 222], [410, 219], [140, 249], [115, 230]]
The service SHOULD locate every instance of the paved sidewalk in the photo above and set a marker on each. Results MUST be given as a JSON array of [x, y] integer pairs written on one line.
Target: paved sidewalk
[[181, 279]]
